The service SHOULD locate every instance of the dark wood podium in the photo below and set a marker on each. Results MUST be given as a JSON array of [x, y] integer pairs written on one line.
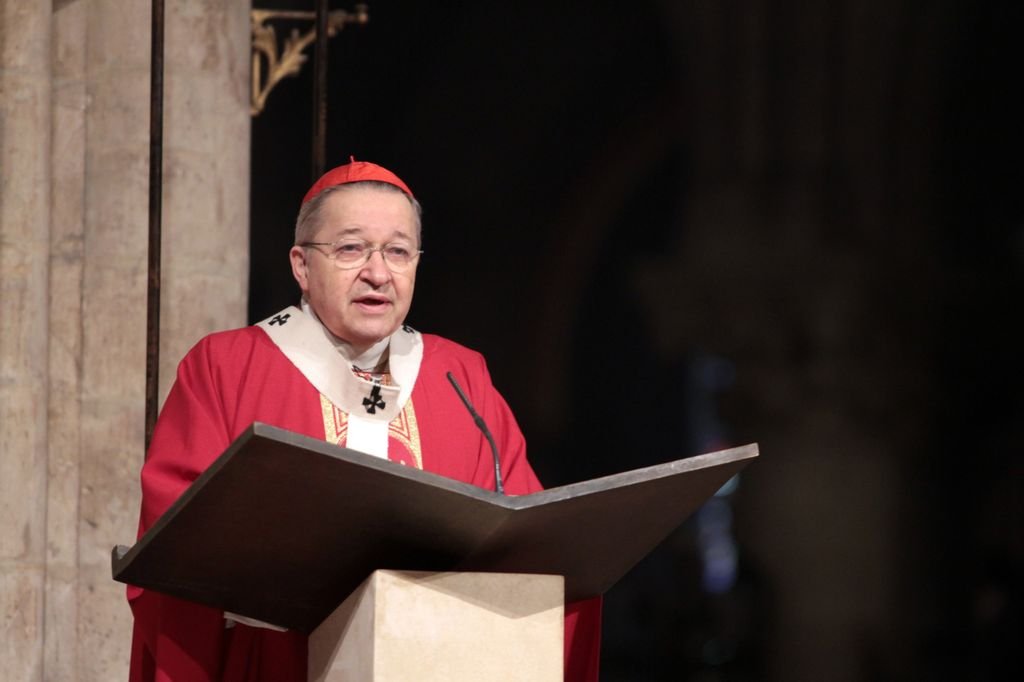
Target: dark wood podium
[[282, 527]]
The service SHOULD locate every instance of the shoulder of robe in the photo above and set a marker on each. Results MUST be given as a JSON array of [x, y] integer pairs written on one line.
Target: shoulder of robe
[[440, 348], [231, 343]]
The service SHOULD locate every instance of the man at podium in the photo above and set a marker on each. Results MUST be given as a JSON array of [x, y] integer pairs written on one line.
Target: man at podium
[[341, 366]]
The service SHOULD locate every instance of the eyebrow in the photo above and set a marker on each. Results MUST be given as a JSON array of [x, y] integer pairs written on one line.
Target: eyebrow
[[358, 232]]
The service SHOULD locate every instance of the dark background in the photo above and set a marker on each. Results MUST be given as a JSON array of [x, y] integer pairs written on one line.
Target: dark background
[[676, 226]]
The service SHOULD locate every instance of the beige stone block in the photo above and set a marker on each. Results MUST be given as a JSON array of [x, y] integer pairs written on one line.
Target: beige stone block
[[22, 407], [207, 230], [60, 645], [22, 467], [206, 37], [24, 28], [112, 455], [24, 143], [112, 406], [69, 41], [113, 363], [109, 89], [206, 177], [24, 239], [62, 490], [403, 625], [104, 625], [190, 310], [205, 98], [119, 32], [119, 112], [206, 219], [62, 498], [24, 187], [116, 212], [68, 133], [60, 659], [21, 622], [67, 208]]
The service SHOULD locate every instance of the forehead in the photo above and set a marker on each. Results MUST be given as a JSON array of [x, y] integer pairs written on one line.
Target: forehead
[[367, 212]]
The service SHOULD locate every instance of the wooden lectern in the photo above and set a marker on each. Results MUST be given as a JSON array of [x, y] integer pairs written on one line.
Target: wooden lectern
[[292, 531]]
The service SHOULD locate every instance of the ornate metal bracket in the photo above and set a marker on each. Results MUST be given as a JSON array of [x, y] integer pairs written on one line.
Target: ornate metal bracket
[[290, 60]]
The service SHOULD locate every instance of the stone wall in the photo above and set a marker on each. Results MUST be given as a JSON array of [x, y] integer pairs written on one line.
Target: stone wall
[[74, 155], [24, 248]]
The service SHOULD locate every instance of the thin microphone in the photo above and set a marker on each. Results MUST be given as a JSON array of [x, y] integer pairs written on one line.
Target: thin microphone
[[487, 432]]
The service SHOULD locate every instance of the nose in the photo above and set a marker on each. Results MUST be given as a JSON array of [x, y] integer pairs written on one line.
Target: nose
[[376, 270]]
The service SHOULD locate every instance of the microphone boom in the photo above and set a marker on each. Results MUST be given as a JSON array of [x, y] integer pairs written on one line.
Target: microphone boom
[[486, 431]]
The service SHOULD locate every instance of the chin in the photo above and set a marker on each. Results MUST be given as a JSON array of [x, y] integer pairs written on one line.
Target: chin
[[372, 336]]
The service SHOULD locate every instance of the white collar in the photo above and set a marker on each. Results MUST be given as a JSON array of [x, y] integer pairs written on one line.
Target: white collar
[[370, 405], [368, 360]]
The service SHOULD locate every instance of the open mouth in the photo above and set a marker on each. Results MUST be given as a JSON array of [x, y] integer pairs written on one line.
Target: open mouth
[[373, 302]]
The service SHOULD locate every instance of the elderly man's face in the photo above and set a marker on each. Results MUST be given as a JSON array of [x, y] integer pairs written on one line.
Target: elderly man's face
[[364, 304]]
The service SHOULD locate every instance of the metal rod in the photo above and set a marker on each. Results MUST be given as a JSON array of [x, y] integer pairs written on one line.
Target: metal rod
[[156, 145], [320, 90]]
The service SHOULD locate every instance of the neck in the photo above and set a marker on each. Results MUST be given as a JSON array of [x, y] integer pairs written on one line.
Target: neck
[[365, 356], [370, 358]]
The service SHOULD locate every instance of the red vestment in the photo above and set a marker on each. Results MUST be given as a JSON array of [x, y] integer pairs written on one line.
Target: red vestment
[[230, 380]]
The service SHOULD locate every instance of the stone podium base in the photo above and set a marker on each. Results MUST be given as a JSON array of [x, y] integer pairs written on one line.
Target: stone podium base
[[403, 625]]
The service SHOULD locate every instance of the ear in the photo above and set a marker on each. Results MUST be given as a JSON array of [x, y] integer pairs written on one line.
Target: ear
[[297, 255]]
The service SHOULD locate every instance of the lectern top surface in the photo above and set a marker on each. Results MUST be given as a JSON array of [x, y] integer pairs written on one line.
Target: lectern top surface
[[283, 527]]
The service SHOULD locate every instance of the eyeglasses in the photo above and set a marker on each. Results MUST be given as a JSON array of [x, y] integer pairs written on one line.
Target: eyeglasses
[[348, 254]]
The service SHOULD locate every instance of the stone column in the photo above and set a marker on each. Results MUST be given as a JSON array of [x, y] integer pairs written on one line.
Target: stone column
[[112, 314], [73, 243], [65, 353], [206, 175], [205, 257], [24, 246]]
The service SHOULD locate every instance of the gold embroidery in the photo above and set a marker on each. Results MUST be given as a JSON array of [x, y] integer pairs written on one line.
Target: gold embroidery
[[334, 430], [404, 428], [406, 431]]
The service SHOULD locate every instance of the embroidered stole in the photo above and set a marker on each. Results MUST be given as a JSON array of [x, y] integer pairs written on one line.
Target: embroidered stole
[[357, 408]]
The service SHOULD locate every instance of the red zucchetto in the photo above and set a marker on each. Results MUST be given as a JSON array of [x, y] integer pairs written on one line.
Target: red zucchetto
[[355, 171]]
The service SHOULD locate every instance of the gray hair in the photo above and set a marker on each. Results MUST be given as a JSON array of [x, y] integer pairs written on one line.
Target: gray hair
[[309, 220]]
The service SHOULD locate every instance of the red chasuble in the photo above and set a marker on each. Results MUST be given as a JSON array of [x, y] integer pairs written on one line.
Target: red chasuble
[[230, 380]]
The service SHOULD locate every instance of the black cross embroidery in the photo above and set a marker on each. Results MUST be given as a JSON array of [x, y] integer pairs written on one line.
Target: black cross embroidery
[[374, 401], [280, 319]]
